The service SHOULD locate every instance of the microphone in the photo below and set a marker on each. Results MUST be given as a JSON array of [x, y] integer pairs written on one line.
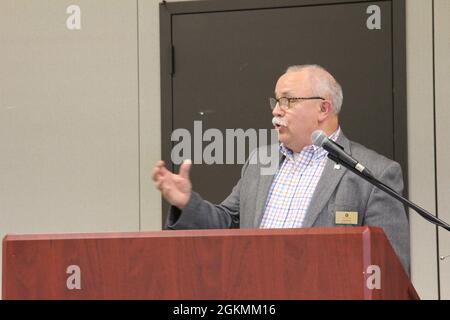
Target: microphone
[[337, 153]]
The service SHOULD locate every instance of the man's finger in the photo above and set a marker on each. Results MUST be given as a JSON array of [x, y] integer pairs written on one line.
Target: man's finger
[[164, 172], [159, 185], [157, 169], [156, 173], [184, 168], [159, 163]]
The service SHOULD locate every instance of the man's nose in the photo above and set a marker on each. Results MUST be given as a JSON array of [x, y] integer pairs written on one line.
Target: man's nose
[[277, 111]]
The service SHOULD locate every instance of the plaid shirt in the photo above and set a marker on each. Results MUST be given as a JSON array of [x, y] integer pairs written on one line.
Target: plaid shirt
[[293, 186]]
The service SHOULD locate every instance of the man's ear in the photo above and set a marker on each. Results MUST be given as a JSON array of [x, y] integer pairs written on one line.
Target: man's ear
[[326, 109]]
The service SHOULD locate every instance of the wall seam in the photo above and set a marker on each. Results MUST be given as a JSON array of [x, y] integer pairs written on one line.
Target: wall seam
[[139, 115], [435, 147]]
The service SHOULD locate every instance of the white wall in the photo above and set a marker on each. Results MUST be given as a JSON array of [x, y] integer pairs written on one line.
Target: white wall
[[76, 143], [421, 144], [428, 73], [442, 89], [80, 122]]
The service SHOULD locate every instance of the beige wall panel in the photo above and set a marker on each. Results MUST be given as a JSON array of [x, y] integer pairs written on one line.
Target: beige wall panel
[[68, 117], [442, 60], [421, 144]]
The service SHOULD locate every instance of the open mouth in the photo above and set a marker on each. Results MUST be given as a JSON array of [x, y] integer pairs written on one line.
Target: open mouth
[[278, 123]]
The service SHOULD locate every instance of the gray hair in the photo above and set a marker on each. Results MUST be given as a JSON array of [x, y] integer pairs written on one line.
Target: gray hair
[[322, 83]]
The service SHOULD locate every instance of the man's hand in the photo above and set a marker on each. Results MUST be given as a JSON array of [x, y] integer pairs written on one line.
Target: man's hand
[[175, 188]]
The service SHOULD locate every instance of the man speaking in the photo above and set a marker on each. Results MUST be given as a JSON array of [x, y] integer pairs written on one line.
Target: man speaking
[[308, 189]]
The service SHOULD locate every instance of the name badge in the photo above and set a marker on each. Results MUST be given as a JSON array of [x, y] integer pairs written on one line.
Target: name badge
[[346, 217]]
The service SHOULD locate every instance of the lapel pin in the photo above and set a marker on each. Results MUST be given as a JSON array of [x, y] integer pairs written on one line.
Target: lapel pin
[[337, 166]]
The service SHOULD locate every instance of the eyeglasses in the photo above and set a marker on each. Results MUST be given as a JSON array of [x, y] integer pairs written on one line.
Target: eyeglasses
[[287, 103]]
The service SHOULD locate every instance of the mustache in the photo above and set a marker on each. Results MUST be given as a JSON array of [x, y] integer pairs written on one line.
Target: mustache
[[279, 121]]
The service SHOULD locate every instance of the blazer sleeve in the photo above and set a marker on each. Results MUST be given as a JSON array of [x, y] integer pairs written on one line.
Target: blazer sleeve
[[202, 214], [388, 213]]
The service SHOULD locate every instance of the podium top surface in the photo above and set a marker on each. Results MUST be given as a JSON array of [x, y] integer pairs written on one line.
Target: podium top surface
[[195, 233]]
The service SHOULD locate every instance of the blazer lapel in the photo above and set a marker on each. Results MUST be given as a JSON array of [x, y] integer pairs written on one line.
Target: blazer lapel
[[327, 183]]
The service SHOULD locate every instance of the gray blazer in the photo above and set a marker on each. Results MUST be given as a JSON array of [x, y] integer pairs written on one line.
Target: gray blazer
[[337, 190]]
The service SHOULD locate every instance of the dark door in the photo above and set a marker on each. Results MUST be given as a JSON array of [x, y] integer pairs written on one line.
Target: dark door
[[226, 63]]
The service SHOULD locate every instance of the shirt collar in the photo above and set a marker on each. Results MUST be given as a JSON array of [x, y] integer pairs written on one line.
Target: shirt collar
[[315, 152]]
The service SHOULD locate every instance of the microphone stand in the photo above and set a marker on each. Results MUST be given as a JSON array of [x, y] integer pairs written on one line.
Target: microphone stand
[[369, 178]]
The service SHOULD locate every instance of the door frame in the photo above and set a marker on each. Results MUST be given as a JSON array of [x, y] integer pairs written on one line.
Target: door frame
[[168, 63]]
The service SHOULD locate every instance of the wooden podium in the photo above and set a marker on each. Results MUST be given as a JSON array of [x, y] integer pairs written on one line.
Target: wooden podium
[[315, 263]]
